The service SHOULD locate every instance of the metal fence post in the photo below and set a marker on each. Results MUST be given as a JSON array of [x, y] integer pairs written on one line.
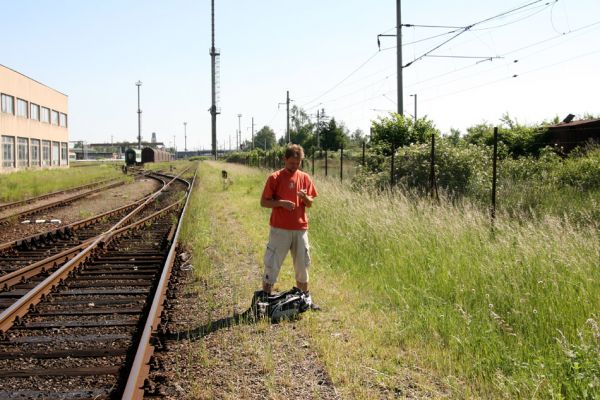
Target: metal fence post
[[493, 209], [325, 162], [342, 163], [364, 144], [313, 163], [392, 168], [432, 180]]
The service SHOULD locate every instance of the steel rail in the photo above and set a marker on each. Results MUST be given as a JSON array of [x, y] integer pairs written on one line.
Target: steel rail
[[47, 195], [58, 203], [134, 388], [21, 307], [71, 227]]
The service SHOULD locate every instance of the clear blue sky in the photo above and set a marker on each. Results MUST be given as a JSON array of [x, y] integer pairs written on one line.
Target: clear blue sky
[[95, 51]]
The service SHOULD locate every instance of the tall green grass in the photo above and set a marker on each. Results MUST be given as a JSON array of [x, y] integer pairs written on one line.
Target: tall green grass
[[429, 297], [30, 183], [512, 312]]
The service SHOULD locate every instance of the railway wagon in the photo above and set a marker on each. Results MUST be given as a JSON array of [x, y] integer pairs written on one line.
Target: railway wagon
[[133, 157], [155, 155]]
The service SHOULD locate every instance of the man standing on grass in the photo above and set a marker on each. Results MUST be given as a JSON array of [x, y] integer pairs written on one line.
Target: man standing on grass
[[287, 193]]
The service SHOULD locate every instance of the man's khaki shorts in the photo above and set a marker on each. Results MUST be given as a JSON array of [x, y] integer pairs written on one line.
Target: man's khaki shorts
[[280, 242]]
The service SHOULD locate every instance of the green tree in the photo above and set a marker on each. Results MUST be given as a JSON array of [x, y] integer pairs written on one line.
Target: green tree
[[301, 128], [357, 137], [265, 138], [332, 136], [398, 131]]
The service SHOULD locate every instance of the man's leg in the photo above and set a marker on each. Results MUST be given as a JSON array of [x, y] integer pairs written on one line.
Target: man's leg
[[277, 248]]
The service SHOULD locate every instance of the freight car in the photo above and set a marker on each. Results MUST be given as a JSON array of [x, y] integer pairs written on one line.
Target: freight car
[[155, 155], [133, 157]]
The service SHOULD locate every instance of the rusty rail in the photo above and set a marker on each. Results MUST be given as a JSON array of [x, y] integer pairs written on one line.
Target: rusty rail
[[58, 203], [47, 195], [140, 368], [21, 307]]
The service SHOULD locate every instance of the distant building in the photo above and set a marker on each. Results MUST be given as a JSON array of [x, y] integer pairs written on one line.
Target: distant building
[[33, 123], [570, 134]]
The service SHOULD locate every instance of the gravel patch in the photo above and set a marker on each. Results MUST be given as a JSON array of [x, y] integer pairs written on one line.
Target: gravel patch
[[94, 204]]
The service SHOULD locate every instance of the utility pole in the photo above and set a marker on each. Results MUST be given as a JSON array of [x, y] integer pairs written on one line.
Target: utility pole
[[288, 115], [174, 148], [138, 84], [213, 107], [318, 124], [252, 133], [185, 136], [399, 56], [240, 131], [287, 104]]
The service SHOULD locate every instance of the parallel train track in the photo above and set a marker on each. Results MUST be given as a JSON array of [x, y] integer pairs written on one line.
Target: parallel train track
[[85, 330]]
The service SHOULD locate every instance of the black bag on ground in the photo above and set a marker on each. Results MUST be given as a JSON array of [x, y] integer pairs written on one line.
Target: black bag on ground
[[284, 305]]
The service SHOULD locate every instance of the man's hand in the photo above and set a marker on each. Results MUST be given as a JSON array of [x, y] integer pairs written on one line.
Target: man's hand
[[305, 198], [288, 205]]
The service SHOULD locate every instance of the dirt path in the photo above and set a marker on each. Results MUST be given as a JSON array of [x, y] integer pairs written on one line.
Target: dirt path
[[241, 361]]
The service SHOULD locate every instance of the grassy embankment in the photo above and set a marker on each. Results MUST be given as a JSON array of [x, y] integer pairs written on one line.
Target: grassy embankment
[[30, 183], [425, 299]]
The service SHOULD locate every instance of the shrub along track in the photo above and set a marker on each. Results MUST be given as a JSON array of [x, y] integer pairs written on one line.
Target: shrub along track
[[74, 335]]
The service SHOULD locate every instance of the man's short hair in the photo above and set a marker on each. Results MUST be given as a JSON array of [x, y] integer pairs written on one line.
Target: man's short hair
[[294, 150]]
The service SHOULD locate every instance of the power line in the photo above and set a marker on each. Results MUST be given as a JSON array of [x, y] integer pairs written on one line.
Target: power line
[[466, 28], [504, 55], [514, 75], [343, 80]]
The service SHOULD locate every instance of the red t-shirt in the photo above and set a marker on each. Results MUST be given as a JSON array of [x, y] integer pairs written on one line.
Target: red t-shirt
[[284, 185]]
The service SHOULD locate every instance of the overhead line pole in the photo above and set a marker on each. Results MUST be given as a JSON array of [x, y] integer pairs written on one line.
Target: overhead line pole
[[185, 136], [239, 131], [213, 107], [399, 57], [288, 115], [139, 112]]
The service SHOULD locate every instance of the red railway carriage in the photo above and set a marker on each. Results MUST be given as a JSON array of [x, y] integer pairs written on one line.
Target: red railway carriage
[[150, 154]]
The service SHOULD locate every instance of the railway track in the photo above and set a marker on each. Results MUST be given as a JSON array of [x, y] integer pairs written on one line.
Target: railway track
[[41, 252], [20, 203], [84, 329], [13, 217]]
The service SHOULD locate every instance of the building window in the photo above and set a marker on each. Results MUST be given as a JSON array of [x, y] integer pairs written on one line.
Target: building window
[[8, 151], [34, 111], [8, 104], [35, 152], [62, 119], [55, 153], [45, 153], [45, 115], [64, 153], [22, 152], [21, 108], [54, 117]]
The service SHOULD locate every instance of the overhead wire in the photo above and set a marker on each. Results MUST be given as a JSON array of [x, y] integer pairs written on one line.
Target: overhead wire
[[343, 80], [466, 28]]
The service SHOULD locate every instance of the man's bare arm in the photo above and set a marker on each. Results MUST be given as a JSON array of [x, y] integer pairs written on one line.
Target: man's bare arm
[[306, 199], [271, 203]]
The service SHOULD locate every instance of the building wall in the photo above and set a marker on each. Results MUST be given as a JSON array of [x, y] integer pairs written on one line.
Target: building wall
[[30, 130]]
